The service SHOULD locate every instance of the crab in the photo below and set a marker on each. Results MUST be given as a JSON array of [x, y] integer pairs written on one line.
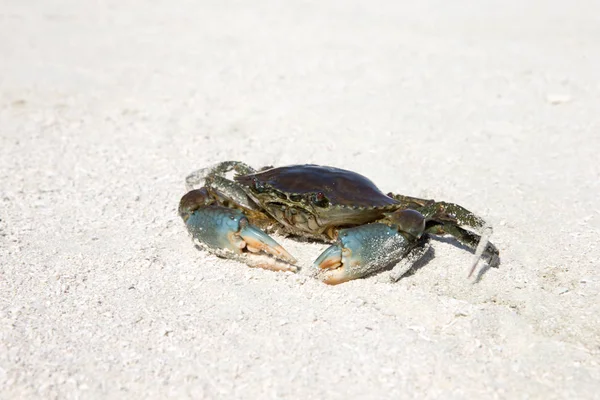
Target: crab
[[369, 231]]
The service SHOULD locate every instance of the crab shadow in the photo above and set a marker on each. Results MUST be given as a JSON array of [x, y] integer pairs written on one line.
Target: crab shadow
[[485, 267]]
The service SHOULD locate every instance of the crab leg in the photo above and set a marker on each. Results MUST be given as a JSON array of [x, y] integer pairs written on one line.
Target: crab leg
[[441, 211], [219, 170], [409, 261], [448, 218], [482, 248], [214, 178]]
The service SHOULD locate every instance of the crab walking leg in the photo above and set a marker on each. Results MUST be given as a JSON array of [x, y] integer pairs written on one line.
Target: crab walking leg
[[361, 251], [448, 218], [481, 246], [406, 263], [214, 177], [442, 211], [200, 176], [228, 233], [484, 247]]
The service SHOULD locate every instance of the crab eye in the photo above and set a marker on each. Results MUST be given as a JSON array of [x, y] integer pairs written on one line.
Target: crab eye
[[319, 199], [258, 185]]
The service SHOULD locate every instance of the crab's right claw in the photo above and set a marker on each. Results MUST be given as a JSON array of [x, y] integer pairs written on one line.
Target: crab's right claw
[[227, 232], [359, 252]]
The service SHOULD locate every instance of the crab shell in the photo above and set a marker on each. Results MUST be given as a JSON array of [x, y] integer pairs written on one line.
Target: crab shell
[[316, 199]]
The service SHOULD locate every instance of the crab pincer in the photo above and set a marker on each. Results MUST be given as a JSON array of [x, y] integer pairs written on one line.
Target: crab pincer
[[228, 233], [366, 249]]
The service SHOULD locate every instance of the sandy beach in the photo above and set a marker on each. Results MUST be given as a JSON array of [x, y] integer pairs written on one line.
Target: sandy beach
[[105, 107]]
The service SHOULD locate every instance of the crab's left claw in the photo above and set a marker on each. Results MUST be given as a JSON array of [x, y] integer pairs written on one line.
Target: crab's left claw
[[228, 233], [361, 251]]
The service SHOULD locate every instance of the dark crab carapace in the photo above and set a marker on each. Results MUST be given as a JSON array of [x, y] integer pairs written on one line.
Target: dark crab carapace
[[370, 230]]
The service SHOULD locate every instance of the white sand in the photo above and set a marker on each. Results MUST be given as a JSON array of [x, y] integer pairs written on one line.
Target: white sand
[[106, 106]]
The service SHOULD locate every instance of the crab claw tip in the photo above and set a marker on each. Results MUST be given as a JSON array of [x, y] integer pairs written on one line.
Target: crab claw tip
[[331, 258], [256, 238]]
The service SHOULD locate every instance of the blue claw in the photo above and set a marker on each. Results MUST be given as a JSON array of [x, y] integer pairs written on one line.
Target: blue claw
[[361, 251], [331, 258], [225, 228]]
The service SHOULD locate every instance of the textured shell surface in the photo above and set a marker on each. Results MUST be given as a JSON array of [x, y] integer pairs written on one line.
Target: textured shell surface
[[341, 187]]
